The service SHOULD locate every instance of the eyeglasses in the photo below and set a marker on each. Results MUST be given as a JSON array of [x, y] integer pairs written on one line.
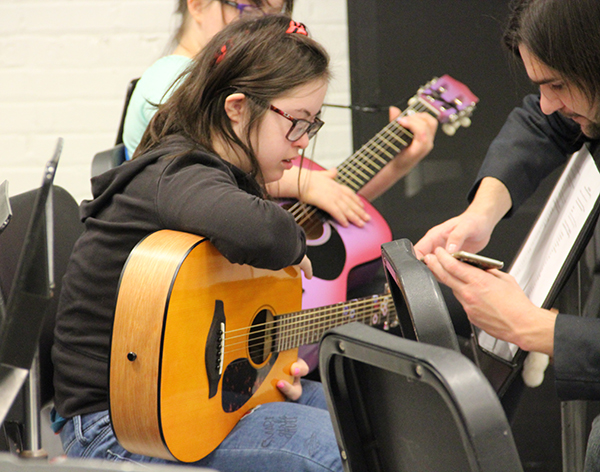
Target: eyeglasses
[[299, 127], [245, 10]]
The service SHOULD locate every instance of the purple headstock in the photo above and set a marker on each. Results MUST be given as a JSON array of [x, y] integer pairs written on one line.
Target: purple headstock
[[449, 100]]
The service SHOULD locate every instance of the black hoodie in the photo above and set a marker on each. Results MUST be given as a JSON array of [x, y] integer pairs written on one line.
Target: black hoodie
[[176, 186]]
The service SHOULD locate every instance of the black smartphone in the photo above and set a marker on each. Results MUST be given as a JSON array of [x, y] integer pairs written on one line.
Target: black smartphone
[[476, 260]]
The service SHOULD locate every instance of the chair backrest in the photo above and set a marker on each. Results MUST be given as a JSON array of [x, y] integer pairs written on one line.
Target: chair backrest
[[66, 229], [400, 405], [128, 93], [422, 311], [106, 160], [115, 156]]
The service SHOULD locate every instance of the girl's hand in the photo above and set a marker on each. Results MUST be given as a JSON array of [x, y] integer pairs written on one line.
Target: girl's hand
[[321, 190], [306, 267], [318, 188], [294, 391]]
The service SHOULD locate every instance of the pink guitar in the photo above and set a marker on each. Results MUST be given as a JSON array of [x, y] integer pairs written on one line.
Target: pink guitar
[[341, 256]]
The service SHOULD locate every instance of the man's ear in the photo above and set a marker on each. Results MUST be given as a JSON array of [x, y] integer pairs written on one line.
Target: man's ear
[[235, 107]]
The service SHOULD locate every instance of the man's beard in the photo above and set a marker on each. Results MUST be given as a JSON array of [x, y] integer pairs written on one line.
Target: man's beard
[[592, 130]]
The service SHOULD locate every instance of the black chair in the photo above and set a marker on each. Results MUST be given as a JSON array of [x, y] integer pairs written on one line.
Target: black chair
[[421, 307], [128, 94], [106, 160], [36, 246], [23, 424], [115, 156], [400, 405]]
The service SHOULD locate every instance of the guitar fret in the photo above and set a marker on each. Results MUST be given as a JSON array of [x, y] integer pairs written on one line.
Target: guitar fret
[[307, 326], [357, 170], [362, 164], [377, 156], [383, 150], [391, 145], [351, 179]]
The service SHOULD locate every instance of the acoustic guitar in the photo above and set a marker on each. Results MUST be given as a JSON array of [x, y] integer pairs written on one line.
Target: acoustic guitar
[[198, 341], [335, 251]]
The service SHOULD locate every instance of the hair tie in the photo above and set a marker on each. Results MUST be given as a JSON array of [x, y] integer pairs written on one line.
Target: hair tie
[[296, 27]]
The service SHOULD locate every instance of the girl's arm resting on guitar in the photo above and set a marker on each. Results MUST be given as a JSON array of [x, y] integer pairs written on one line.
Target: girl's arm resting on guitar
[[423, 126], [293, 391], [318, 188]]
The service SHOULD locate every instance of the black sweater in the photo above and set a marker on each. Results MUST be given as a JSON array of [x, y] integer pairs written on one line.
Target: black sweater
[[178, 187]]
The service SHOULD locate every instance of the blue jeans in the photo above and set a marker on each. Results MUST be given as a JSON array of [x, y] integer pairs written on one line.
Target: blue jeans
[[290, 436]]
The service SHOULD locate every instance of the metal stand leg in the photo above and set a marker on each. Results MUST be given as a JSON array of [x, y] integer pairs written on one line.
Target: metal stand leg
[[573, 413], [574, 438], [32, 440]]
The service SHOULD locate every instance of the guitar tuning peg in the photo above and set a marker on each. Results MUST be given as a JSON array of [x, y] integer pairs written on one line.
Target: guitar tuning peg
[[465, 121], [412, 101], [450, 128]]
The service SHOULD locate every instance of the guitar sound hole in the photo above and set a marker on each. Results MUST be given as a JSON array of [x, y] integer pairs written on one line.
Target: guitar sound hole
[[260, 343]]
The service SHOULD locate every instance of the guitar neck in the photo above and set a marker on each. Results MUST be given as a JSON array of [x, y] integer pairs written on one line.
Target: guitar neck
[[446, 99], [307, 326], [364, 164]]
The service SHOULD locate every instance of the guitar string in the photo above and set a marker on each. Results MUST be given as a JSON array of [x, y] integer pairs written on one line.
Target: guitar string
[[361, 304], [295, 321], [291, 327], [303, 212], [243, 346]]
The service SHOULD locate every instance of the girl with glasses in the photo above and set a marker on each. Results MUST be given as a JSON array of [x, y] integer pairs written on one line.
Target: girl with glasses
[[201, 20], [243, 112]]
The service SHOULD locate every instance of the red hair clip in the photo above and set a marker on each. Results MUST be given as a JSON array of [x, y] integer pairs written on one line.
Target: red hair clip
[[221, 54], [296, 27]]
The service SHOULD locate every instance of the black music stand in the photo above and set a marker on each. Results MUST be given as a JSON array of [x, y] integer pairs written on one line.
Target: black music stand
[[5, 209], [29, 295]]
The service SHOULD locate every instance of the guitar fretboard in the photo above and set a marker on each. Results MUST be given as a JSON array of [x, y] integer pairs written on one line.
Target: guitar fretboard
[[307, 327]]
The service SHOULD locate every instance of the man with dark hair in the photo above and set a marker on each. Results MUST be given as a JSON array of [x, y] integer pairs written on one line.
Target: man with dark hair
[[559, 44]]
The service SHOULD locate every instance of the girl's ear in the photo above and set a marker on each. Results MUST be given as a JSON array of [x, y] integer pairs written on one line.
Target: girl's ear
[[235, 107], [196, 9]]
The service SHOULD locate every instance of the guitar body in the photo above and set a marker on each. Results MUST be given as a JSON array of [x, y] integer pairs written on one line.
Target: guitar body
[[167, 397], [335, 251]]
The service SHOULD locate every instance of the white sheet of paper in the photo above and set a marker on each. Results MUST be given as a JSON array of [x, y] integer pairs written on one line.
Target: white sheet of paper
[[540, 260]]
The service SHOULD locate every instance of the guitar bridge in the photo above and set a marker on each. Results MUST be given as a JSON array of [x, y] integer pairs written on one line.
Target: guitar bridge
[[214, 353]]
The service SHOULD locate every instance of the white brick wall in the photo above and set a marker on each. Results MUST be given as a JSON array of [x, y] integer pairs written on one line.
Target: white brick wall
[[65, 65]]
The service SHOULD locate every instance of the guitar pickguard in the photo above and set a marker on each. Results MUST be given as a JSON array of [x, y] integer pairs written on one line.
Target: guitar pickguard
[[241, 380], [328, 259]]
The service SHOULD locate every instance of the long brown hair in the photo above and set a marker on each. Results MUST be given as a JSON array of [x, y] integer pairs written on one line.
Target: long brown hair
[[564, 35], [257, 57]]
